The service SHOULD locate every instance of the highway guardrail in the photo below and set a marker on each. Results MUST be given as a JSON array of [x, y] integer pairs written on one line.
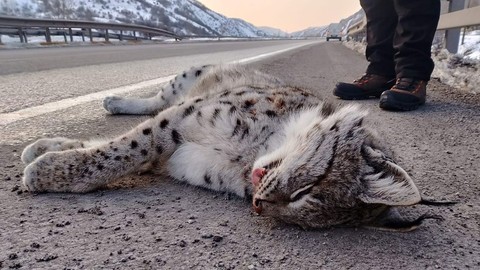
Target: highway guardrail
[[22, 25]]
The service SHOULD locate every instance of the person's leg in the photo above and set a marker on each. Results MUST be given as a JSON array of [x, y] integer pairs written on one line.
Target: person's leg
[[381, 24], [417, 23], [380, 73]]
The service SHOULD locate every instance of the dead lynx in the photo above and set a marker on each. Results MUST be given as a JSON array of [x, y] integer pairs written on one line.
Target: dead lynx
[[233, 129]]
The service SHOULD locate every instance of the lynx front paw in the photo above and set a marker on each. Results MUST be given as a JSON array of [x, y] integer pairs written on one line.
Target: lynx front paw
[[55, 172], [113, 104], [42, 146]]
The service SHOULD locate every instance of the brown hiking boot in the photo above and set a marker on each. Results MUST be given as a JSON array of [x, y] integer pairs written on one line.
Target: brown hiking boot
[[369, 85], [406, 95]]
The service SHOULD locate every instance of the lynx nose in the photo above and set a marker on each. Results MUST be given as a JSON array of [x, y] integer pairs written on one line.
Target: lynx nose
[[257, 176]]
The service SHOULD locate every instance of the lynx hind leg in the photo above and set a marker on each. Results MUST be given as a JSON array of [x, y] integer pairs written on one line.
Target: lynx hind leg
[[170, 94]]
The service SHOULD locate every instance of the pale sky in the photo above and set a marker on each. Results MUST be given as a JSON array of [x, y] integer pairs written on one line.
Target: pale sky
[[288, 15]]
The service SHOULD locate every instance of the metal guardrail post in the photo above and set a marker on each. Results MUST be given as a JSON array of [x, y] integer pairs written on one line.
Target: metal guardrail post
[[90, 35], [20, 34], [48, 36], [452, 36], [25, 36]]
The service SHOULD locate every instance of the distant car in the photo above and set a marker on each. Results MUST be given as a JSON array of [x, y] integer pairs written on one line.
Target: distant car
[[334, 37]]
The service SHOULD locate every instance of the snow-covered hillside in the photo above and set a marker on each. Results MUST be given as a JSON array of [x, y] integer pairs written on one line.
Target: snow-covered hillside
[[274, 32], [319, 31], [184, 17], [333, 28]]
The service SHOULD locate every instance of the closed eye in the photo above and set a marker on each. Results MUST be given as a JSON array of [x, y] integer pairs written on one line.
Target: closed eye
[[273, 164], [297, 195]]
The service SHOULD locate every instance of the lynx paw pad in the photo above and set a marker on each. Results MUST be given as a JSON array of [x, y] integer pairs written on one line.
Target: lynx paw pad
[[113, 104], [39, 175], [55, 172]]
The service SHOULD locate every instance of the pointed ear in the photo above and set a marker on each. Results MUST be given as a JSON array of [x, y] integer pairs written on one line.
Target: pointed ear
[[387, 183]]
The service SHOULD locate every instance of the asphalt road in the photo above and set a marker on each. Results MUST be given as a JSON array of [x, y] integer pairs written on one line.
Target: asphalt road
[[33, 77], [30, 60], [148, 223]]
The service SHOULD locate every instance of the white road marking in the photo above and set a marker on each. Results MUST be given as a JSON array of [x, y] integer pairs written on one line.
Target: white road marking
[[7, 118], [265, 55]]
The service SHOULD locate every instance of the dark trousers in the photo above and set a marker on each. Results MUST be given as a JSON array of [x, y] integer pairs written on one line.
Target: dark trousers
[[399, 37]]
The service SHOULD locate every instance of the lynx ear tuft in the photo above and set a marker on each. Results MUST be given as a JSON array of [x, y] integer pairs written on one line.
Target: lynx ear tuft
[[392, 221], [389, 184]]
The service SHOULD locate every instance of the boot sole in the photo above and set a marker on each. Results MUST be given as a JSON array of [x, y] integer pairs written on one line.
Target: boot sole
[[392, 105], [355, 97]]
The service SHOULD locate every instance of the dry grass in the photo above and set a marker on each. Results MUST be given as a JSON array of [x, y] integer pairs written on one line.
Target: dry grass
[[53, 43], [101, 42]]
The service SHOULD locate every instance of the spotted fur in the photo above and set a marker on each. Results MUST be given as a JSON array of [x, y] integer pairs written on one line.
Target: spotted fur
[[237, 130]]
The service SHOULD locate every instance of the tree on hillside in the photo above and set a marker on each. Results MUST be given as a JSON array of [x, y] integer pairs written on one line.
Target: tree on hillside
[[7, 7], [83, 13], [27, 11], [158, 16], [89, 15], [60, 9]]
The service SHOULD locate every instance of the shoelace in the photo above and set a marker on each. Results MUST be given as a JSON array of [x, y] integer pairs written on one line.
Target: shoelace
[[406, 84], [364, 79]]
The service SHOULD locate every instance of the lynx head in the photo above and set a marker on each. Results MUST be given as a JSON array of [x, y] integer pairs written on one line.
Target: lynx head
[[330, 170]]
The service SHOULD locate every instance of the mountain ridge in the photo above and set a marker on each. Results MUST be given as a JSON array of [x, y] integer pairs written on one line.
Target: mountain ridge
[[183, 17], [333, 28]]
